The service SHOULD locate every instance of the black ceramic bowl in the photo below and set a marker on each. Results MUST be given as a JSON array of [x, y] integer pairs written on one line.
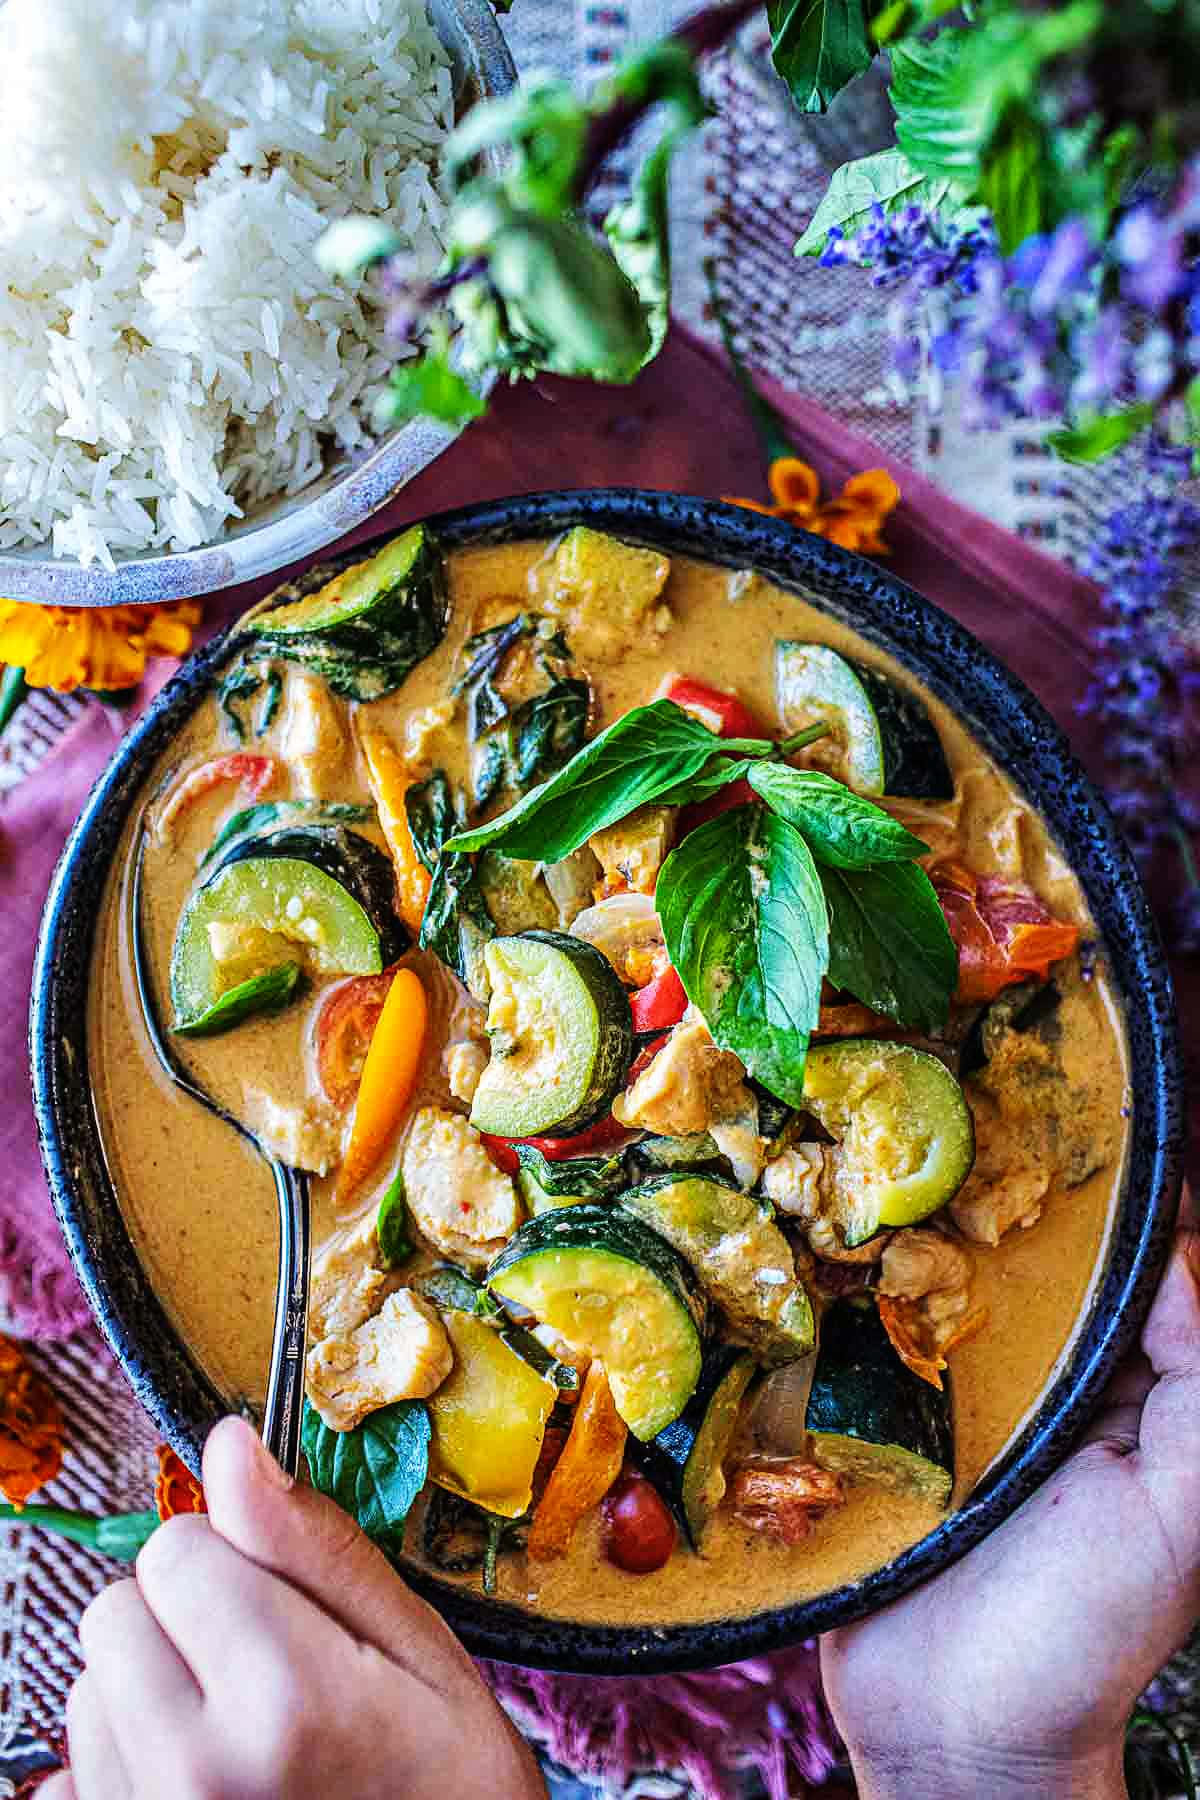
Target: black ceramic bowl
[[1025, 742]]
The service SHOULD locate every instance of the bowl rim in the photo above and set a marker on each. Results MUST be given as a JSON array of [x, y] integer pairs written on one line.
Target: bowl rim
[[284, 529], [1016, 730]]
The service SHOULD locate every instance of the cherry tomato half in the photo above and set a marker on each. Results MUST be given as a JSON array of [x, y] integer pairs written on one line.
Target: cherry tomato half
[[345, 1026], [639, 1528]]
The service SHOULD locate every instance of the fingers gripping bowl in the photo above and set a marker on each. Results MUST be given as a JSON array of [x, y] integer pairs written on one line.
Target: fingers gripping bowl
[[950, 1154]]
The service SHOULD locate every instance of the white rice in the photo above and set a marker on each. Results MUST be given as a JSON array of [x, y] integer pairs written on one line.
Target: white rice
[[170, 350]]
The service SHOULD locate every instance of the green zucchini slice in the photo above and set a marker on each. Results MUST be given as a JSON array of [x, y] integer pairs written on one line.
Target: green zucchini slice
[[742, 1259], [881, 741], [451, 1290], [275, 815], [561, 1035], [608, 1285], [686, 1460], [567, 1181], [371, 592], [904, 1136], [515, 894], [871, 1418], [363, 628], [324, 891], [657, 1155], [814, 685]]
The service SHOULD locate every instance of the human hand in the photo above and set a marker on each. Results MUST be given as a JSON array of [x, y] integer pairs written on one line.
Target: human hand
[[270, 1652], [1015, 1671]]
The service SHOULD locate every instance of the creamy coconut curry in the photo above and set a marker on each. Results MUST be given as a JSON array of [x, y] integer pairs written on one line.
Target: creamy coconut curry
[[710, 1082]]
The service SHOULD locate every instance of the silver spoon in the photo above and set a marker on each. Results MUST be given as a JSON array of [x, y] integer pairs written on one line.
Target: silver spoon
[[284, 1405]]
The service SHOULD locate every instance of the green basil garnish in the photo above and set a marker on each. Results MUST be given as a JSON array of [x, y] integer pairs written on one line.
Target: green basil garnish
[[746, 927], [839, 826], [889, 944], [374, 1472]]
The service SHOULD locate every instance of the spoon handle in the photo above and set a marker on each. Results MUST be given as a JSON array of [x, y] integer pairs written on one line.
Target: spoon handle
[[285, 1382]]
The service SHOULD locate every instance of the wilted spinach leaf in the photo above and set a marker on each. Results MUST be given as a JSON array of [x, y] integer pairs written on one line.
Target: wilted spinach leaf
[[745, 924], [889, 944], [374, 1472]]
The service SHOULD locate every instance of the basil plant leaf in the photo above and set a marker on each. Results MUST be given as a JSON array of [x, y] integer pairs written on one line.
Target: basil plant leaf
[[889, 944], [428, 387], [374, 1472], [456, 923], [638, 233], [819, 45], [838, 826], [644, 754], [887, 180], [1097, 437], [721, 773], [745, 924]]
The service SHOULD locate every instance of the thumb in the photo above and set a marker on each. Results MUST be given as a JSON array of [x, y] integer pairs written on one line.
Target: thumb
[[1170, 1429], [306, 1539]]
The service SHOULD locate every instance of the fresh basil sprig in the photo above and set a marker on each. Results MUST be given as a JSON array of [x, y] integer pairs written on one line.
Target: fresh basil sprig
[[375, 1471], [643, 756], [839, 826], [889, 944], [746, 927]]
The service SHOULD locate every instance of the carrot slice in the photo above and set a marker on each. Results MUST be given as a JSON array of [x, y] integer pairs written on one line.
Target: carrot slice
[[388, 1078], [590, 1463]]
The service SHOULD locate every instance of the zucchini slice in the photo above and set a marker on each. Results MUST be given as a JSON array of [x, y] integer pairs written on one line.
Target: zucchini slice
[[742, 1259], [882, 740], [324, 891], [872, 1419], [362, 628], [372, 592], [561, 1035], [568, 1181], [904, 1136], [450, 1289], [686, 1460], [656, 1155], [609, 1285], [515, 894], [274, 815]]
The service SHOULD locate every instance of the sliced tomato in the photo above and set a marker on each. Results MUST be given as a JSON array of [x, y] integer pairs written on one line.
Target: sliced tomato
[[345, 1026], [721, 712], [1002, 930], [255, 774], [660, 1004], [605, 1134]]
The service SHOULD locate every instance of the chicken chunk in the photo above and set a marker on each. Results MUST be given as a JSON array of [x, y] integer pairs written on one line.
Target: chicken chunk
[[347, 1278], [689, 1084], [632, 851], [926, 1267], [798, 1182], [460, 1200], [402, 1352], [784, 1499], [312, 738], [1005, 1188], [308, 1136]]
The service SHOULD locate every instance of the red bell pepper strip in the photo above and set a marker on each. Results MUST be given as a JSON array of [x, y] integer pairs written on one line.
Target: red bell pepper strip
[[722, 713], [605, 1134], [645, 1057], [660, 1004], [254, 773]]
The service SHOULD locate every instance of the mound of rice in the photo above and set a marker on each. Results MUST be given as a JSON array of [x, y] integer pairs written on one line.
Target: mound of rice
[[170, 350]]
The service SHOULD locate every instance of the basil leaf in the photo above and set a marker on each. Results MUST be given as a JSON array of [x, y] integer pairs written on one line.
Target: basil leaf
[[722, 772], [889, 944], [570, 296], [456, 923], [1099, 436], [820, 45], [239, 683], [374, 1472], [745, 924], [394, 1227], [548, 729], [1012, 181], [839, 827], [888, 180], [645, 753], [431, 817], [638, 233], [427, 387], [570, 1177]]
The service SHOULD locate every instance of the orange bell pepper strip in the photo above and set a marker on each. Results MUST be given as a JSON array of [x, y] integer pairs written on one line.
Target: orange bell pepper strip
[[388, 1079], [389, 782], [345, 1026], [590, 1463]]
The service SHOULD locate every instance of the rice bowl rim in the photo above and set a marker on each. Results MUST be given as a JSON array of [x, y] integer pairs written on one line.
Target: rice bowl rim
[[351, 490]]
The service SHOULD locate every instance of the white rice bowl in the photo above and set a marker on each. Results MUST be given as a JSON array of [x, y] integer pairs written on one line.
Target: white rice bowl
[[171, 353]]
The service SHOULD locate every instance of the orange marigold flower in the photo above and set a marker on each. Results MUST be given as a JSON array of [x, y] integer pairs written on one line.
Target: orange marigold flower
[[852, 519], [31, 1427], [176, 1489], [104, 647]]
